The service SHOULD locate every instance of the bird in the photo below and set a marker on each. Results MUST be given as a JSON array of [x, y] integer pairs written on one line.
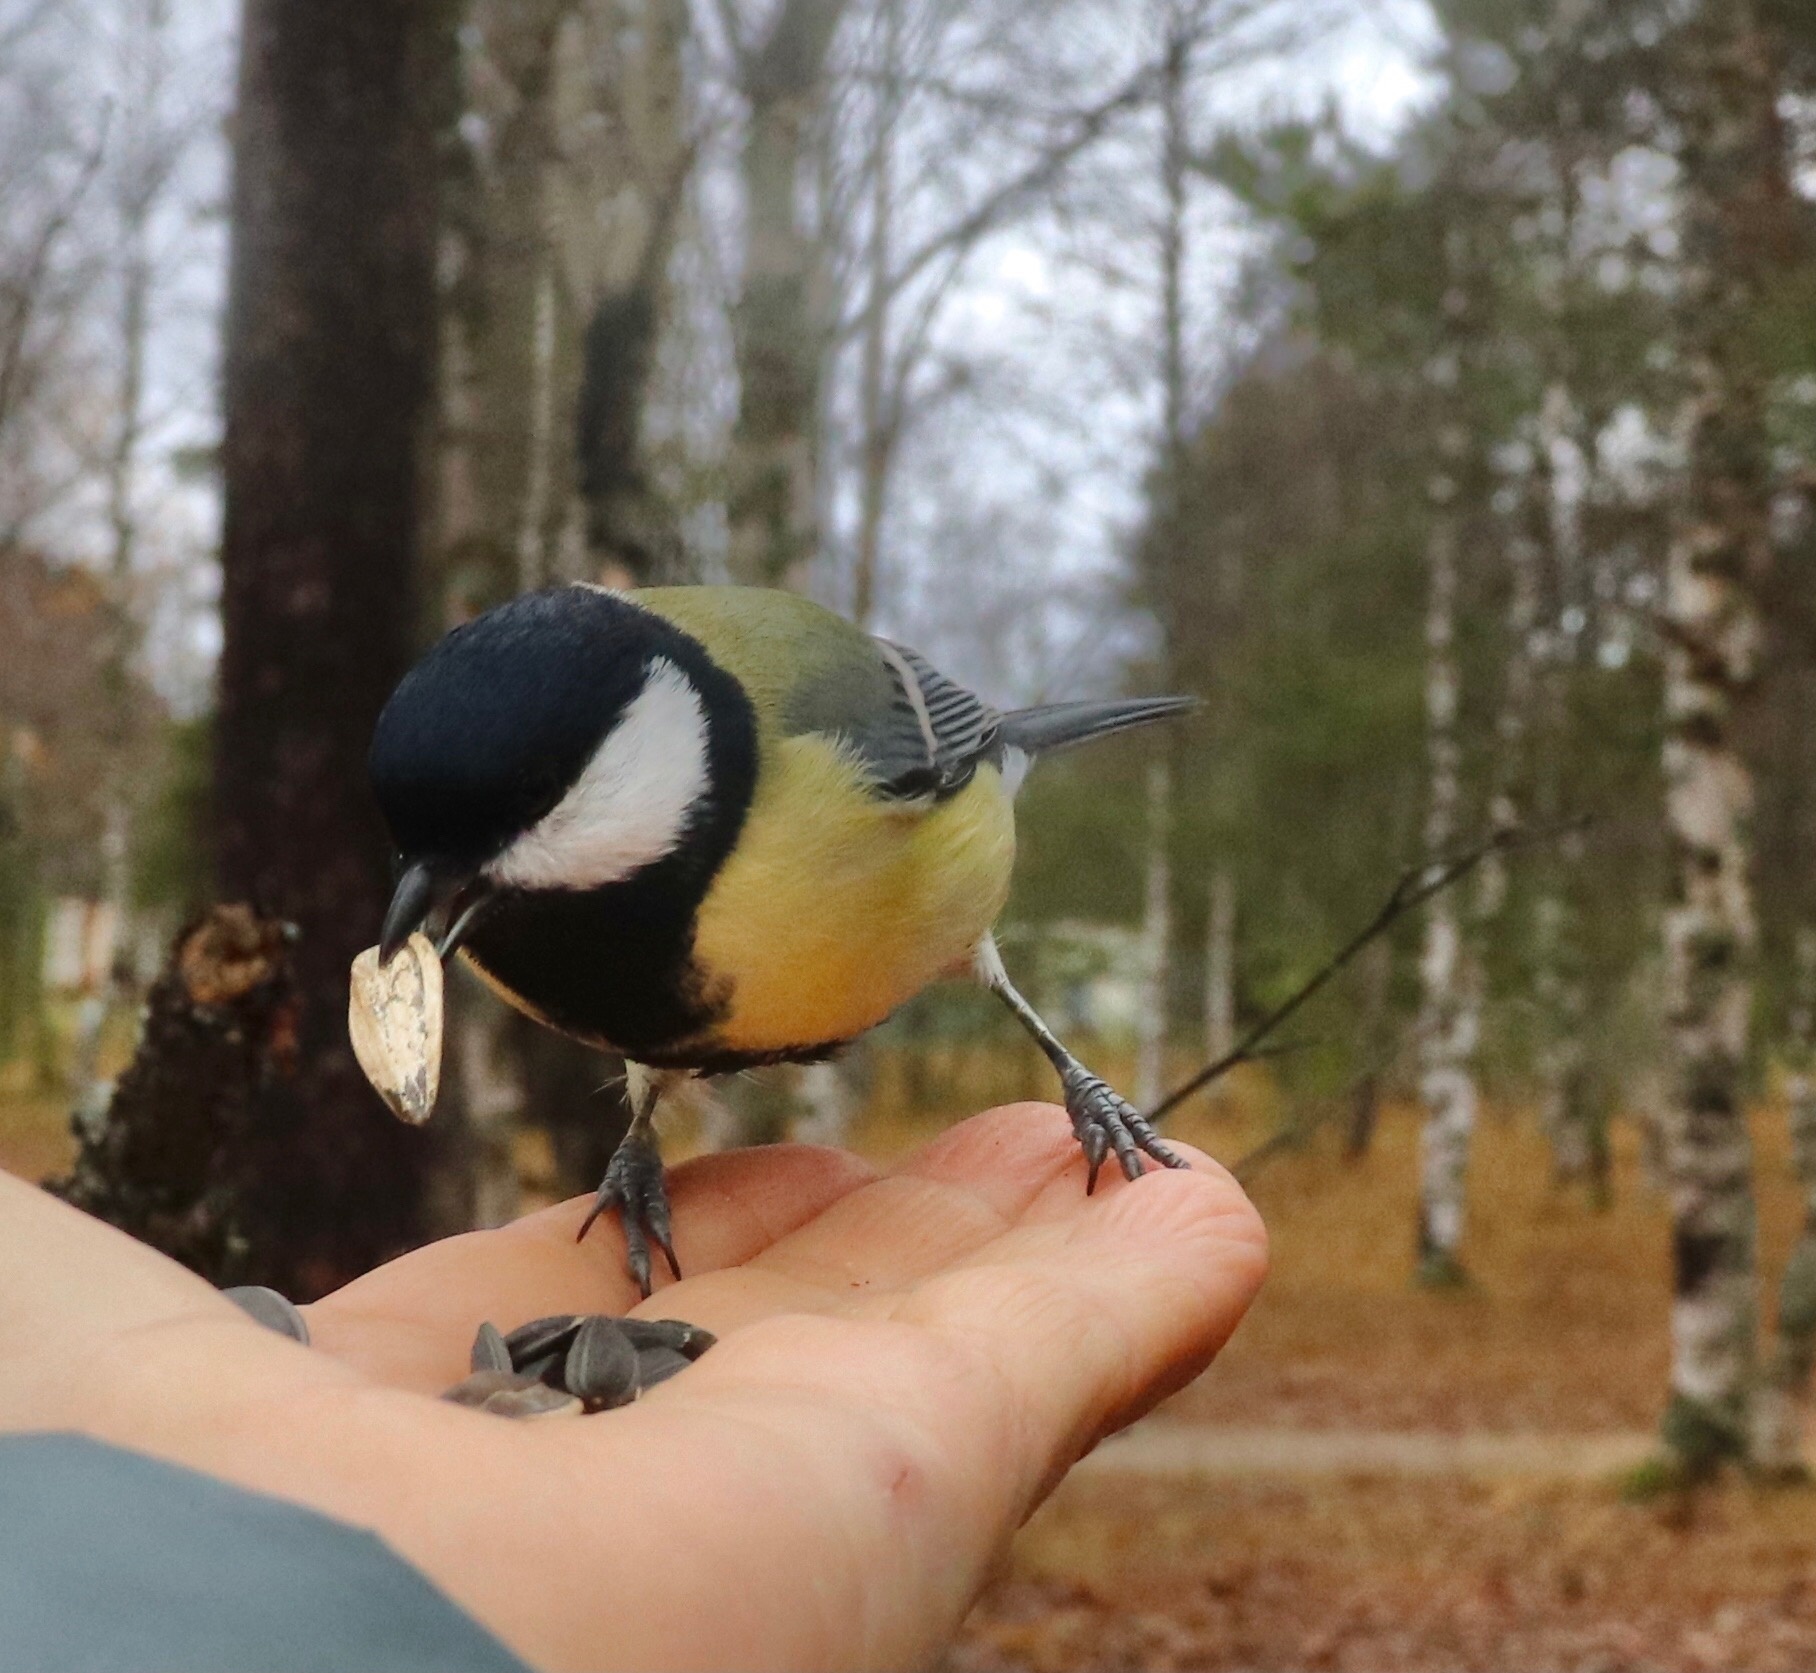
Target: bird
[[708, 828]]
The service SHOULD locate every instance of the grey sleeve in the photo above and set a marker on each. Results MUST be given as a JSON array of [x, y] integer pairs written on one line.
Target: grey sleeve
[[111, 1562]]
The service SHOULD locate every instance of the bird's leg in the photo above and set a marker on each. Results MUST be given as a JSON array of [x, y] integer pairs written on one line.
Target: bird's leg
[[1103, 1121], [633, 1182]]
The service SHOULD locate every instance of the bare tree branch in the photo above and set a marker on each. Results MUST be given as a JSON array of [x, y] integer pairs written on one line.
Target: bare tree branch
[[1084, 129], [27, 288], [1416, 886]]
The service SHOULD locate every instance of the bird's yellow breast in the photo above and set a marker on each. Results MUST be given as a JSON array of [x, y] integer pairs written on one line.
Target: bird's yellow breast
[[836, 907]]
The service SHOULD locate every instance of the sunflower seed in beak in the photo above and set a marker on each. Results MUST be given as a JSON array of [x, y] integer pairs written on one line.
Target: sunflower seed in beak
[[394, 1015]]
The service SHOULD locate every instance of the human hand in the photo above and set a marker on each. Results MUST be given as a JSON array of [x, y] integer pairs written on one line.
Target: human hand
[[907, 1364]]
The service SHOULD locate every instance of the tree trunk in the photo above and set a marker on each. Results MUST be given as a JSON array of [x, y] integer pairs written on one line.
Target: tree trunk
[[1157, 904], [1785, 1389], [1220, 966], [172, 1158], [330, 379], [626, 181], [878, 404], [1734, 195], [500, 509], [1448, 1014], [1156, 937], [773, 504]]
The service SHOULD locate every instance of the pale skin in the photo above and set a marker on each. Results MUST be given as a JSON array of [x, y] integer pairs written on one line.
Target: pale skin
[[908, 1363]]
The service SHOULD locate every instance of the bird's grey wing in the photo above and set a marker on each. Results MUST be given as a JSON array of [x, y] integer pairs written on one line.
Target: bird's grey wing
[[918, 733]]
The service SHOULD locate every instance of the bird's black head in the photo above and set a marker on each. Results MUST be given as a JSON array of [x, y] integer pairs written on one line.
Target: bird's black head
[[562, 741]]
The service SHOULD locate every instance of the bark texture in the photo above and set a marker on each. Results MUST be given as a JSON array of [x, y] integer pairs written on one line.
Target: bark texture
[[167, 1159], [1220, 966], [330, 377], [1733, 196], [1157, 895], [623, 190], [1785, 1390], [1448, 1016], [1156, 938], [773, 503]]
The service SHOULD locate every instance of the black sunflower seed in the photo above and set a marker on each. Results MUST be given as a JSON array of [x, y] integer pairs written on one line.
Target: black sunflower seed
[[511, 1394], [657, 1365], [550, 1368], [602, 1367], [684, 1338], [489, 1350], [273, 1311], [538, 1400], [543, 1336], [482, 1385]]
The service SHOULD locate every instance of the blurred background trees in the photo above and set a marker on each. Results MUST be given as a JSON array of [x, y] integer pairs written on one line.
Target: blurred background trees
[[1429, 387]]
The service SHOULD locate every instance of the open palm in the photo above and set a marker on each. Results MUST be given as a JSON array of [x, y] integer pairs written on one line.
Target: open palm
[[907, 1364]]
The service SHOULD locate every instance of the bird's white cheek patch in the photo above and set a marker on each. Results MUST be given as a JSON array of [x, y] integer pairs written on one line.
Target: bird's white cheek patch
[[630, 806]]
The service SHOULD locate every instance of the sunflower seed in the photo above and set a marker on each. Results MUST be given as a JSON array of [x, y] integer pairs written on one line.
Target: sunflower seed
[[657, 1365], [541, 1337], [688, 1339], [511, 1394], [394, 1017], [489, 1352], [273, 1311], [602, 1366], [538, 1400], [482, 1385]]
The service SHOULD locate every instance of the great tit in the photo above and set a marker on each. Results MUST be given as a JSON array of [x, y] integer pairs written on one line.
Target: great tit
[[708, 828]]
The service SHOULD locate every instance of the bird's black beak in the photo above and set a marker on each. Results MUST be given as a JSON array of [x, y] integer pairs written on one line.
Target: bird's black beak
[[411, 903], [422, 892]]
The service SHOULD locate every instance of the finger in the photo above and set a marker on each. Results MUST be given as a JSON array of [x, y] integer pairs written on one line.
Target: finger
[[1092, 1321], [412, 1321], [965, 1188], [1094, 1314]]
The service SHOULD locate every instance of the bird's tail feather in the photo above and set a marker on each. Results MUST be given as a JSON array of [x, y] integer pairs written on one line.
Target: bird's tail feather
[[1059, 725]]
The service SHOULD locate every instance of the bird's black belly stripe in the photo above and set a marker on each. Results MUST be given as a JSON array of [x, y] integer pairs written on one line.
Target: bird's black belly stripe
[[612, 965]]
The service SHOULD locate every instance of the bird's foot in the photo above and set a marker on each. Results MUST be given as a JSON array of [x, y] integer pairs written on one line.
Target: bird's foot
[[1106, 1122], [634, 1186]]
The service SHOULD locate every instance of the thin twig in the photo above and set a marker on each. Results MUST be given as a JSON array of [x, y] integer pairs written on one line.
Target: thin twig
[[1416, 886], [37, 266]]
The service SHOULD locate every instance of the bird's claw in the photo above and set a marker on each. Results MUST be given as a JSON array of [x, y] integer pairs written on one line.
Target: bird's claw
[[634, 1186], [1106, 1123]]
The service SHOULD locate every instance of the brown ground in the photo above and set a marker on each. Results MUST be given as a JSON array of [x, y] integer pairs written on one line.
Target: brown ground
[[34, 1130], [1369, 1575]]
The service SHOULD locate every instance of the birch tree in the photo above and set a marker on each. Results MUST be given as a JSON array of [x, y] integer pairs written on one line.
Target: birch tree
[[1448, 1017], [1784, 1393], [1170, 238], [1723, 95]]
